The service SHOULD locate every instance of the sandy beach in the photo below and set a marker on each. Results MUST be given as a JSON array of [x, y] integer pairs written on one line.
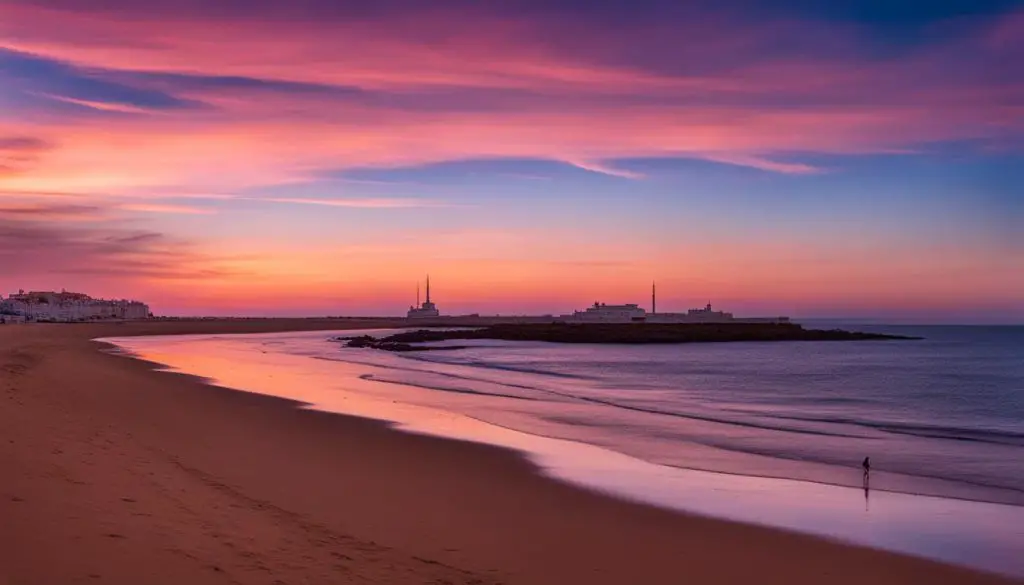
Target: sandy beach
[[115, 473]]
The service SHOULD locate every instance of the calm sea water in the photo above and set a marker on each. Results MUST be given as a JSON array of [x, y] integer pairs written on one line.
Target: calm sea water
[[943, 415], [771, 433]]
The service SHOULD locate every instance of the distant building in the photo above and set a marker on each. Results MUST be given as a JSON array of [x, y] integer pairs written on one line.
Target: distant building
[[68, 306], [634, 313], [602, 313], [702, 315], [427, 310]]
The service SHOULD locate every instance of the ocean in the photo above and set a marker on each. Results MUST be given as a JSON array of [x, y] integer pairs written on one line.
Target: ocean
[[942, 415], [729, 425]]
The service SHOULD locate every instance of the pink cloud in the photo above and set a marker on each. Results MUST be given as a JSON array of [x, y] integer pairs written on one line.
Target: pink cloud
[[165, 208], [376, 203], [604, 169], [97, 105], [763, 164], [722, 111]]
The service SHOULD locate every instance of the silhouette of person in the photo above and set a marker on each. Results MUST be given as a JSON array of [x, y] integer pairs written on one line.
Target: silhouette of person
[[867, 480]]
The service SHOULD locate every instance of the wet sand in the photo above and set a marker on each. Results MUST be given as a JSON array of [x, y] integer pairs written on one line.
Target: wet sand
[[114, 473]]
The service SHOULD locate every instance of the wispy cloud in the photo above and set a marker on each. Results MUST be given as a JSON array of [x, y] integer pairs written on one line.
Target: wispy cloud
[[745, 160], [605, 169], [99, 106], [19, 144], [29, 75], [372, 203], [66, 212], [161, 202], [19, 153], [166, 208]]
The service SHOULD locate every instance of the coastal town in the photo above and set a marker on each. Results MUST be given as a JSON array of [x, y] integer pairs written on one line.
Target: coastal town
[[67, 307]]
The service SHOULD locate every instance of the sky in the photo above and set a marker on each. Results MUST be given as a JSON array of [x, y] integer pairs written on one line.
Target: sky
[[859, 159]]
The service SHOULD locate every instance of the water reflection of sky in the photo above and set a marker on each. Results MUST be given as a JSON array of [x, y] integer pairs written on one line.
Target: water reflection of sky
[[983, 535]]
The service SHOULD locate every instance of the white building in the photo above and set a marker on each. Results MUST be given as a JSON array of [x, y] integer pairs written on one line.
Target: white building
[[427, 310], [67, 306], [603, 313]]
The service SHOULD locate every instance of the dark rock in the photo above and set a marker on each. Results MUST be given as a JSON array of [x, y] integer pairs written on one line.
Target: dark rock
[[614, 333]]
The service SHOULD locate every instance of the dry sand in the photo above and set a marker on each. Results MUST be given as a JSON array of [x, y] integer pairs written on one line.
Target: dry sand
[[114, 473]]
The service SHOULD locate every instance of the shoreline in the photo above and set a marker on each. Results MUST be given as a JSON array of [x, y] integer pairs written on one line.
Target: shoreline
[[397, 506]]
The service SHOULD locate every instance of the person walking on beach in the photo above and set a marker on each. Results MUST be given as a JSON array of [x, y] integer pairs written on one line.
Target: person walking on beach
[[867, 467]]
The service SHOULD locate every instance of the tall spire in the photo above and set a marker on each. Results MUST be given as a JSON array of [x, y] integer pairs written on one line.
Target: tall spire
[[428, 288], [417, 293], [654, 299]]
